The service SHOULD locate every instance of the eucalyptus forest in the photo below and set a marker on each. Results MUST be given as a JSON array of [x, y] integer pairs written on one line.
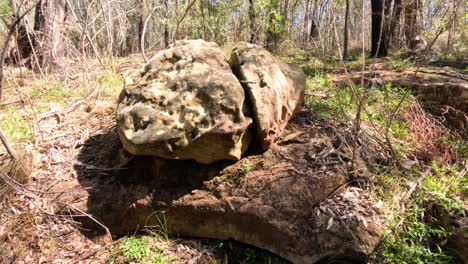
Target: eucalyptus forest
[[243, 131]]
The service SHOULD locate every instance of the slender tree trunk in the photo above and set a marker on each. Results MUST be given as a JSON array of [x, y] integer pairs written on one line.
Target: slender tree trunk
[[313, 17], [203, 20], [306, 22], [141, 22], [252, 16], [346, 33], [166, 27], [285, 14]]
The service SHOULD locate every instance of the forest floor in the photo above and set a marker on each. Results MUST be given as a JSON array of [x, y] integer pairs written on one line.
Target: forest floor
[[49, 120]]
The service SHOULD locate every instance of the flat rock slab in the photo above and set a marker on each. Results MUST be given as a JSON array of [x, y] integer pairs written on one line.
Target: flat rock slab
[[291, 200], [441, 85]]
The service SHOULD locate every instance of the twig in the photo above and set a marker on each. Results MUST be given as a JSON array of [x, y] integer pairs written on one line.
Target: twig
[[143, 33], [11, 103], [7, 146], [182, 18], [90, 217]]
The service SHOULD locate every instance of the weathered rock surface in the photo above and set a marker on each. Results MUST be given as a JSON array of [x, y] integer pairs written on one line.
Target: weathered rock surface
[[185, 104], [289, 200], [275, 89]]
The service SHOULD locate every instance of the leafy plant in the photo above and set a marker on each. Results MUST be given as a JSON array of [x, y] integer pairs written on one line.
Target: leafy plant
[[325, 99], [5, 8], [142, 250], [412, 241], [134, 248]]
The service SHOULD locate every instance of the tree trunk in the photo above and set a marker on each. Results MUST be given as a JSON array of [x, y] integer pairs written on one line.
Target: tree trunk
[[203, 20], [49, 26], [346, 33], [253, 35], [413, 23], [166, 27], [395, 23], [379, 33], [306, 22], [313, 26], [285, 14], [141, 23]]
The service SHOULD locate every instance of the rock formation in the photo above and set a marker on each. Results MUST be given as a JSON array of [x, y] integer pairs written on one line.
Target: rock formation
[[275, 89], [186, 104], [291, 200]]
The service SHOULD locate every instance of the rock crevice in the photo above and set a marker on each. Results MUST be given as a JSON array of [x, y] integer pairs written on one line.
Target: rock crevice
[[188, 104]]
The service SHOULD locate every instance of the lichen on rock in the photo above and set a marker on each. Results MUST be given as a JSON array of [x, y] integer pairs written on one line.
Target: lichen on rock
[[185, 104]]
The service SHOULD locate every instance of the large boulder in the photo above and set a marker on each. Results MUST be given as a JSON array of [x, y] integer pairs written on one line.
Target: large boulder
[[275, 89], [185, 104]]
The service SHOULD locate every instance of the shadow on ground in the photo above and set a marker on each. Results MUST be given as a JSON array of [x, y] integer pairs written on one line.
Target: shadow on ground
[[108, 173]]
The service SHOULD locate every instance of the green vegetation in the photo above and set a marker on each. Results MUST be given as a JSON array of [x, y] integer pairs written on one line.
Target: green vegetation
[[5, 8], [15, 124], [161, 230], [56, 92], [415, 235], [111, 82], [142, 250], [146, 249]]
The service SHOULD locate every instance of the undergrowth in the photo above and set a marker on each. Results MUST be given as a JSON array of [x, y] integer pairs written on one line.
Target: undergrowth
[[417, 235], [141, 250], [15, 124], [430, 154]]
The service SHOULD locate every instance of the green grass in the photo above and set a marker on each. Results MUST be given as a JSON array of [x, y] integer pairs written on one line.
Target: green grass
[[324, 99], [413, 241], [111, 82], [53, 92], [141, 250], [15, 124], [415, 236]]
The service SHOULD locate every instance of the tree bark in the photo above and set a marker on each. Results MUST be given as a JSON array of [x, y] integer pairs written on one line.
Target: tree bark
[[313, 26], [346, 32], [413, 23], [379, 33], [203, 20], [306, 22], [166, 27], [395, 23], [252, 17], [49, 26]]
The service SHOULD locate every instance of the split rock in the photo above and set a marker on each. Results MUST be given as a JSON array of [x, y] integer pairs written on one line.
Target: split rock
[[185, 104], [274, 88]]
